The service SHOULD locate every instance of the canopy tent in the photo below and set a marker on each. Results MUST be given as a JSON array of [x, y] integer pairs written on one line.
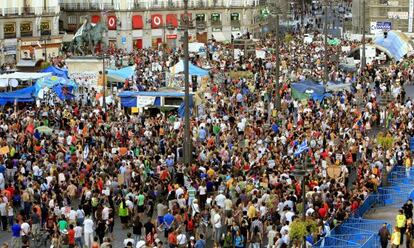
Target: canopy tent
[[120, 75], [22, 95], [303, 89], [58, 72], [338, 86], [396, 43], [52, 81], [193, 70], [25, 76], [145, 98], [196, 47], [64, 92]]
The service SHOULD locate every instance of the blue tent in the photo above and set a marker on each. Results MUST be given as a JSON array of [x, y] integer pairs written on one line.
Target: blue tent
[[64, 92], [122, 74], [129, 98], [58, 72], [50, 82], [308, 85], [193, 70], [396, 43], [22, 95]]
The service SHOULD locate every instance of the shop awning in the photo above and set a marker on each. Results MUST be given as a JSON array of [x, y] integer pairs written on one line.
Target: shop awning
[[172, 20], [96, 19], [137, 22]]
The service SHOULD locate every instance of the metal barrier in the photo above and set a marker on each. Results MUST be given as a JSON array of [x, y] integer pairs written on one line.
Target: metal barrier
[[362, 233]]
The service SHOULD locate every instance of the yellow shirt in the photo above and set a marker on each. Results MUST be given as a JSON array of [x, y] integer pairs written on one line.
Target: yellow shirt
[[210, 173], [407, 162], [400, 220], [251, 212], [396, 238]]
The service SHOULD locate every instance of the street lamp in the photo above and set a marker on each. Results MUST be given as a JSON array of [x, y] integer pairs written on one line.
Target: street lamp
[[325, 32], [363, 59], [300, 172], [187, 138]]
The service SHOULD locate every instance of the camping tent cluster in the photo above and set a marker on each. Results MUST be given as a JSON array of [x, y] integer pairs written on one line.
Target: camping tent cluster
[[61, 86], [305, 89]]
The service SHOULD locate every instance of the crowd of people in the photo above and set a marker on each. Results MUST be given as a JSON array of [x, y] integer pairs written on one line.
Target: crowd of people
[[104, 170]]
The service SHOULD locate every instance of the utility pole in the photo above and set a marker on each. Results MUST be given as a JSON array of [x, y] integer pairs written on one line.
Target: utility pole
[[325, 32], [187, 138], [278, 100], [302, 18], [363, 59]]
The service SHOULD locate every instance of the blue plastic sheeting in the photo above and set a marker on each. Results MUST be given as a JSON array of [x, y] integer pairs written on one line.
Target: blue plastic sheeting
[[63, 73], [22, 95], [129, 98], [320, 97], [122, 74], [50, 82], [395, 44], [192, 69], [64, 92], [308, 85]]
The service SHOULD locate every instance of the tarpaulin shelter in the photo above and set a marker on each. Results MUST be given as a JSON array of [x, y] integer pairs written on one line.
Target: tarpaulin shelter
[[193, 70], [58, 72], [50, 82], [396, 43], [120, 75], [338, 86], [131, 99], [22, 95], [303, 89], [25, 76], [64, 92]]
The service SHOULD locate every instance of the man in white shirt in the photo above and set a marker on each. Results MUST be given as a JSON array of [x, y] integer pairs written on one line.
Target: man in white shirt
[[181, 239], [220, 198], [78, 235], [25, 229], [88, 226], [217, 225], [129, 240]]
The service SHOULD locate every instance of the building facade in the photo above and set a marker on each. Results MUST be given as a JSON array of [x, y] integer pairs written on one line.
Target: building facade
[[382, 15], [29, 29], [148, 23]]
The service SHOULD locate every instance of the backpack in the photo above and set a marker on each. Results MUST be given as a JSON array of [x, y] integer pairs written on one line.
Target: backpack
[[256, 229]]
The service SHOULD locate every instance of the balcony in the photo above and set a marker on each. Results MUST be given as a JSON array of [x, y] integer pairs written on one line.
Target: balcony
[[10, 11], [86, 6]]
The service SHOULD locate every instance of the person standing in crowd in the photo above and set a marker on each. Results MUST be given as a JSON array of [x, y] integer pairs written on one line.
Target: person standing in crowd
[[16, 236], [400, 222], [396, 238], [385, 235]]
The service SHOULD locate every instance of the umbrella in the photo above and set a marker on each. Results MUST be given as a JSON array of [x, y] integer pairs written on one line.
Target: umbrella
[[44, 129]]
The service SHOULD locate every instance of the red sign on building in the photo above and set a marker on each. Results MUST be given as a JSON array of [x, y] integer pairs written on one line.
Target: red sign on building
[[156, 21]]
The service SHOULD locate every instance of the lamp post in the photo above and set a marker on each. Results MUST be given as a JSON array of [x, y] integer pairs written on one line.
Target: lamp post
[[187, 138], [300, 172], [325, 32], [363, 59]]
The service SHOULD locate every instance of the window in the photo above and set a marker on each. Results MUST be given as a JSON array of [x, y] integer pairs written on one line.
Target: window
[[71, 19], [45, 28], [9, 30], [26, 29], [200, 18]]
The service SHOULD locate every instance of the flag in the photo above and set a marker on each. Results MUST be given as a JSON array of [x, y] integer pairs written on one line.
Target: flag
[[79, 32], [86, 152], [302, 148]]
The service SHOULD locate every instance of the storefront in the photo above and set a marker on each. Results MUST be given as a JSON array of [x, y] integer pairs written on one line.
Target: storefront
[[36, 48], [8, 50]]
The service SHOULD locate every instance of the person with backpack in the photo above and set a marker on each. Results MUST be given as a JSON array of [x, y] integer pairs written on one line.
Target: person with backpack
[[228, 239], [239, 240]]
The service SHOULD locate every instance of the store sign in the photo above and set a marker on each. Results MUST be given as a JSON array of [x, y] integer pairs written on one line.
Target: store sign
[[398, 15], [156, 21], [171, 36], [200, 17], [9, 28], [112, 22], [45, 28], [235, 17], [26, 29], [380, 27], [215, 17], [410, 15], [216, 29]]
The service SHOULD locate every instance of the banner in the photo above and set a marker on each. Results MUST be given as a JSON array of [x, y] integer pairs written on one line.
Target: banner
[[112, 22], [144, 101]]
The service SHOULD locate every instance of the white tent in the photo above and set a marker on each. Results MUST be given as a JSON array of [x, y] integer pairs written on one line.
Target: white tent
[[24, 76]]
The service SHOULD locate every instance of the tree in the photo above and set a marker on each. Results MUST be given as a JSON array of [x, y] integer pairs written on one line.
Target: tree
[[386, 142], [301, 228]]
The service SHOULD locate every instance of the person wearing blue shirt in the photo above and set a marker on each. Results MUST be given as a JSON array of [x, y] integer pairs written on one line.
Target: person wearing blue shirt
[[202, 134], [239, 240], [201, 243], [168, 222], [16, 238]]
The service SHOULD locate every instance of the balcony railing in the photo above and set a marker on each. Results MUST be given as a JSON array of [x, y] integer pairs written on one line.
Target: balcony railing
[[86, 6]]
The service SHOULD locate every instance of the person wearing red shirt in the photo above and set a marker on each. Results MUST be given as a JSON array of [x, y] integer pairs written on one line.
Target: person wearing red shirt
[[322, 212], [71, 236]]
